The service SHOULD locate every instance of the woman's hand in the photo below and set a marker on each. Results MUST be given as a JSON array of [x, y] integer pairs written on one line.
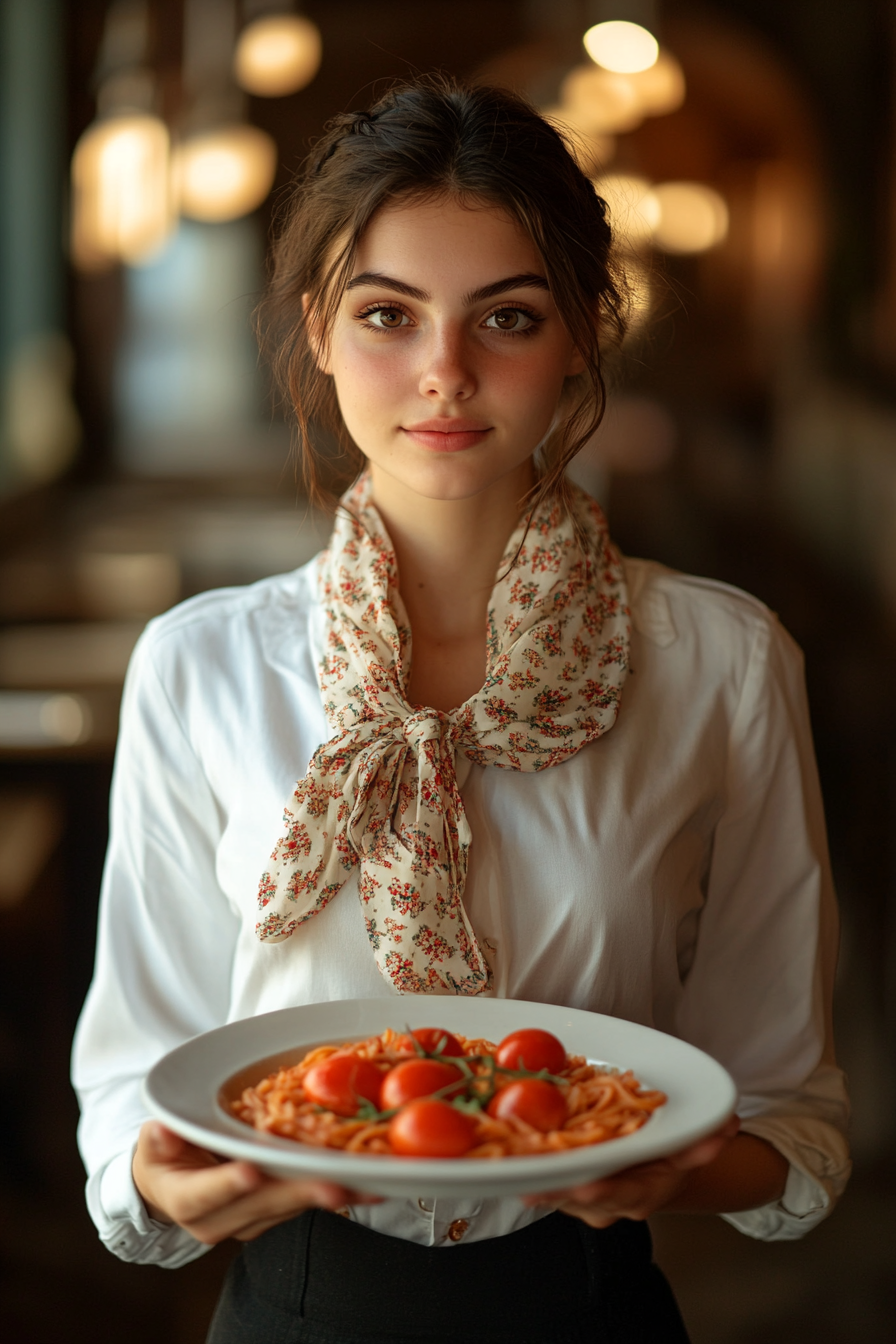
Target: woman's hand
[[641, 1191], [213, 1199]]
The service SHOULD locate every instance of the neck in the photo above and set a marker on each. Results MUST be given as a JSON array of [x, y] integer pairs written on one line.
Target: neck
[[448, 551]]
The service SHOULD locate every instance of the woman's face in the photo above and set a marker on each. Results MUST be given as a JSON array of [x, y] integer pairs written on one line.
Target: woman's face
[[447, 351]]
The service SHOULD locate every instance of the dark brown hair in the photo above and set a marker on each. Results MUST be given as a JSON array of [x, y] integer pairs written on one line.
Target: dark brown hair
[[427, 138]]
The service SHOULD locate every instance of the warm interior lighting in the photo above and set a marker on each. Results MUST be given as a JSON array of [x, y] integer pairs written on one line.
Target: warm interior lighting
[[224, 174], [590, 149], [121, 202], [633, 208], [277, 54], [660, 88], [623, 47], [640, 296], [41, 425], [114, 585], [600, 102], [38, 719], [692, 217]]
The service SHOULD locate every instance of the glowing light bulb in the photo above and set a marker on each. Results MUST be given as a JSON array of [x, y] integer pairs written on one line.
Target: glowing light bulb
[[121, 200], [224, 174], [277, 54], [633, 208], [622, 47], [692, 217]]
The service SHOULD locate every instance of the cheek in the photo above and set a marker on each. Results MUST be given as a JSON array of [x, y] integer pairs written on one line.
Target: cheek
[[533, 382], [365, 380]]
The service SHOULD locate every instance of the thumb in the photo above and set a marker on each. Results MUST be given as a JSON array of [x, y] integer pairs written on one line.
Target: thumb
[[163, 1144]]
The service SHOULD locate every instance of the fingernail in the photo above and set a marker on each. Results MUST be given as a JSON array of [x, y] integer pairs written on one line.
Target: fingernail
[[156, 1135], [328, 1198]]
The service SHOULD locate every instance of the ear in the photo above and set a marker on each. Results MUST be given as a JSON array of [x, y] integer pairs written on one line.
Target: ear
[[576, 363], [319, 346]]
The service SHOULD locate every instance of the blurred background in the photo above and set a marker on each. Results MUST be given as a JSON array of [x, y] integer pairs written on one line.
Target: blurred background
[[748, 160]]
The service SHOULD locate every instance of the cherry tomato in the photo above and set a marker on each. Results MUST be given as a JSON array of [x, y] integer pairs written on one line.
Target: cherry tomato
[[531, 1049], [540, 1103], [416, 1078], [340, 1081], [431, 1128], [430, 1038]]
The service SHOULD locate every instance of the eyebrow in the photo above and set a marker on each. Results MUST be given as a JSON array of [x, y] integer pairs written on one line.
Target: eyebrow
[[525, 280]]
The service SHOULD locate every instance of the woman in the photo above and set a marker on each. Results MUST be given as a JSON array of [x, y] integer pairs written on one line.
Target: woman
[[620, 816]]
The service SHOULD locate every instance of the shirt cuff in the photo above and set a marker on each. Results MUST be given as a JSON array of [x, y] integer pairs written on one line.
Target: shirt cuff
[[819, 1171], [126, 1228]]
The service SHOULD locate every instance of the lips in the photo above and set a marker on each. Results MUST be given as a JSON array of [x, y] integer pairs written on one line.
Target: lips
[[447, 434]]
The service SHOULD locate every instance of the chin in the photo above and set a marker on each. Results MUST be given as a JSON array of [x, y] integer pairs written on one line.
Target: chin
[[451, 479]]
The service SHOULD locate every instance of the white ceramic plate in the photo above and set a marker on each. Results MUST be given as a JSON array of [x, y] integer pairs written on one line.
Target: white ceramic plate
[[189, 1090]]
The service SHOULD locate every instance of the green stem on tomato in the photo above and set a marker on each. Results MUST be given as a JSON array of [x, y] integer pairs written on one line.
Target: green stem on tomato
[[478, 1088]]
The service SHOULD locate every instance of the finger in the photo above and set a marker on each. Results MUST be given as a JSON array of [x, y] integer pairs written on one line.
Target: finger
[[595, 1192], [609, 1187], [255, 1230], [558, 1198], [633, 1193], [594, 1217], [273, 1202], [191, 1194], [164, 1146], [704, 1151], [353, 1198]]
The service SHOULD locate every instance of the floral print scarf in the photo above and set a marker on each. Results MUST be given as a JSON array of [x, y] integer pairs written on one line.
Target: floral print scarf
[[381, 793]]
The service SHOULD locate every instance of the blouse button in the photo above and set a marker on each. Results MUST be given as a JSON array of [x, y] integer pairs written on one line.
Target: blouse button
[[424, 1207], [457, 1229]]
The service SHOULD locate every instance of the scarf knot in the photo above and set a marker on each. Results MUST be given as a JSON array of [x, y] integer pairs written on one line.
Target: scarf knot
[[423, 726], [382, 793]]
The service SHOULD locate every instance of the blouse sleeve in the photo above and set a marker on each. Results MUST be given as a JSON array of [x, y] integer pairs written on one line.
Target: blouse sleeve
[[165, 947], [767, 945]]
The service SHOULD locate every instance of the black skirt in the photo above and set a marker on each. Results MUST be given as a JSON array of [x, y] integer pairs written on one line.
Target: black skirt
[[322, 1279]]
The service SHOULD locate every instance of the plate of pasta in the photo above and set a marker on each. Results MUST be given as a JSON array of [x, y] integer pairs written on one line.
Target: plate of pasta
[[440, 1097]]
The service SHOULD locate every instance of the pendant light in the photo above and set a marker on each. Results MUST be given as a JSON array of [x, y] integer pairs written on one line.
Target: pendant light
[[122, 209], [277, 53], [223, 168], [623, 47]]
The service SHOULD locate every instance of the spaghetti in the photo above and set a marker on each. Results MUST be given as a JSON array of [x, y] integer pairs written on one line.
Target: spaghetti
[[600, 1104]]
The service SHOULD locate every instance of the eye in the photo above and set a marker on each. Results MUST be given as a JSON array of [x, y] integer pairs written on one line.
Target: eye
[[515, 320], [386, 318]]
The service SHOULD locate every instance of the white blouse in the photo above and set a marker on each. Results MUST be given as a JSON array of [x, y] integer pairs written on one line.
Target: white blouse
[[673, 873]]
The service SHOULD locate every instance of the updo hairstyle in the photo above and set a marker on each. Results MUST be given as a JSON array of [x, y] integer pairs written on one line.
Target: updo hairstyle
[[426, 139]]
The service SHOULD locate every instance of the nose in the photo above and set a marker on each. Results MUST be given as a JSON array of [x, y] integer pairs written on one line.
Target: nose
[[447, 372]]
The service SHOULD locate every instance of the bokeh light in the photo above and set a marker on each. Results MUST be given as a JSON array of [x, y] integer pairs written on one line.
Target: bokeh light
[[600, 102], [277, 54], [640, 295], [224, 174], [633, 207], [121, 201], [660, 88], [692, 217], [623, 47]]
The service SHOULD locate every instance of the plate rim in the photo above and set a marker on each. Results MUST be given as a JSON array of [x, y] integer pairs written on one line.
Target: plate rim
[[386, 1173]]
